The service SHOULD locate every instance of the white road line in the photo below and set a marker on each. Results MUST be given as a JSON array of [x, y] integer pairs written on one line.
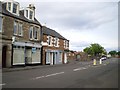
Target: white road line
[[2, 84], [81, 68], [39, 77], [54, 74], [47, 75]]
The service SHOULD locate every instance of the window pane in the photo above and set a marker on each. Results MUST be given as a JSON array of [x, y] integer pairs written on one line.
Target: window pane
[[26, 13], [56, 40], [9, 6], [14, 8], [35, 33], [31, 14], [15, 28], [0, 24], [20, 31], [30, 32]]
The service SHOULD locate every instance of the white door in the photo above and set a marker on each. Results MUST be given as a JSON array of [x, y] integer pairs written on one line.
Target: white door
[[47, 58], [51, 58], [65, 57]]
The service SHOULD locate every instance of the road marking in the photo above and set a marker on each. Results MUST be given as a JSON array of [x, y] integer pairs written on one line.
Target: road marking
[[81, 68], [48, 75], [2, 84], [54, 74], [39, 77]]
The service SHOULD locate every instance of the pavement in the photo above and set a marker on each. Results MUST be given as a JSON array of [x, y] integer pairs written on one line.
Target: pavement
[[19, 68]]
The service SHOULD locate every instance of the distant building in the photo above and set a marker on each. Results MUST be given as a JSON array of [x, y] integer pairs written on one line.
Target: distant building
[[71, 55]]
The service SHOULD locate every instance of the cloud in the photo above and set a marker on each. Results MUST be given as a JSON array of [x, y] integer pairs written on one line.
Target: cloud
[[76, 16]]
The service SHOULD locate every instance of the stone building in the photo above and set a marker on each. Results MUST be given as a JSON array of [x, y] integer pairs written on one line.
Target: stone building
[[21, 35], [55, 47]]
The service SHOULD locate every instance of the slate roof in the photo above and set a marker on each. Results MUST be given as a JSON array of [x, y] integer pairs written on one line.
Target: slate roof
[[48, 31], [20, 17]]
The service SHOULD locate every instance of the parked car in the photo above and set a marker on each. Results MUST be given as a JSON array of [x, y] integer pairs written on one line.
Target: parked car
[[103, 57]]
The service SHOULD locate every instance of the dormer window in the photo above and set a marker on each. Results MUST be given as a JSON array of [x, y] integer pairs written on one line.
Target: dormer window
[[29, 12], [13, 7]]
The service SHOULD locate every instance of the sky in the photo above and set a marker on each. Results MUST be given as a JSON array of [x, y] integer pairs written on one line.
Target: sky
[[83, 22]]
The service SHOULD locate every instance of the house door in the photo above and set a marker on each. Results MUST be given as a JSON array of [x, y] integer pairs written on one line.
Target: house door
[[4, 49], [51, 58], [65, 58]]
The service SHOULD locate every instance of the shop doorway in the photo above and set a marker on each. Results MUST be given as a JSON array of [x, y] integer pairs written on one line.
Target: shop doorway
[[4, 50]]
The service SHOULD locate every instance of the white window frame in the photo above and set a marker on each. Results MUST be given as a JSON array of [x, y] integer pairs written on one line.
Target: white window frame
[[27, 13], [15, 8], [20, 29], [36, 29], [50, 41], [15, 23], [12, 4], [66, 44], [29, 10], [31, 31], [56, 42]]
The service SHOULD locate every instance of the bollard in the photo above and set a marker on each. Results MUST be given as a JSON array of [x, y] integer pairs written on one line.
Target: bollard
[[94, 62], [100, 61]]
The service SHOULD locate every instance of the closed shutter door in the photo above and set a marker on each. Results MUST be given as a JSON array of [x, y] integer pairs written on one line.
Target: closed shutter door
[[36, 56], [18, 56]]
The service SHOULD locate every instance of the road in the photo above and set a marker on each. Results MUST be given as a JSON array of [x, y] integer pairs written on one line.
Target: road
[[76, 75]]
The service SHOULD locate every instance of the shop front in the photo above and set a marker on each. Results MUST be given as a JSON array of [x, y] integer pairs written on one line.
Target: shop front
[[26, 53], [53, 57]]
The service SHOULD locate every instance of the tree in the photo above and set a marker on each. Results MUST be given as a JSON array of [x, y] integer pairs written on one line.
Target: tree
[[118, 53], [95, 50], [88, 50], [112, 53]]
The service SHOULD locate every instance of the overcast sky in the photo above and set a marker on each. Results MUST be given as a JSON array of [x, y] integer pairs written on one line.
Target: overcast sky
[[80, 21]]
